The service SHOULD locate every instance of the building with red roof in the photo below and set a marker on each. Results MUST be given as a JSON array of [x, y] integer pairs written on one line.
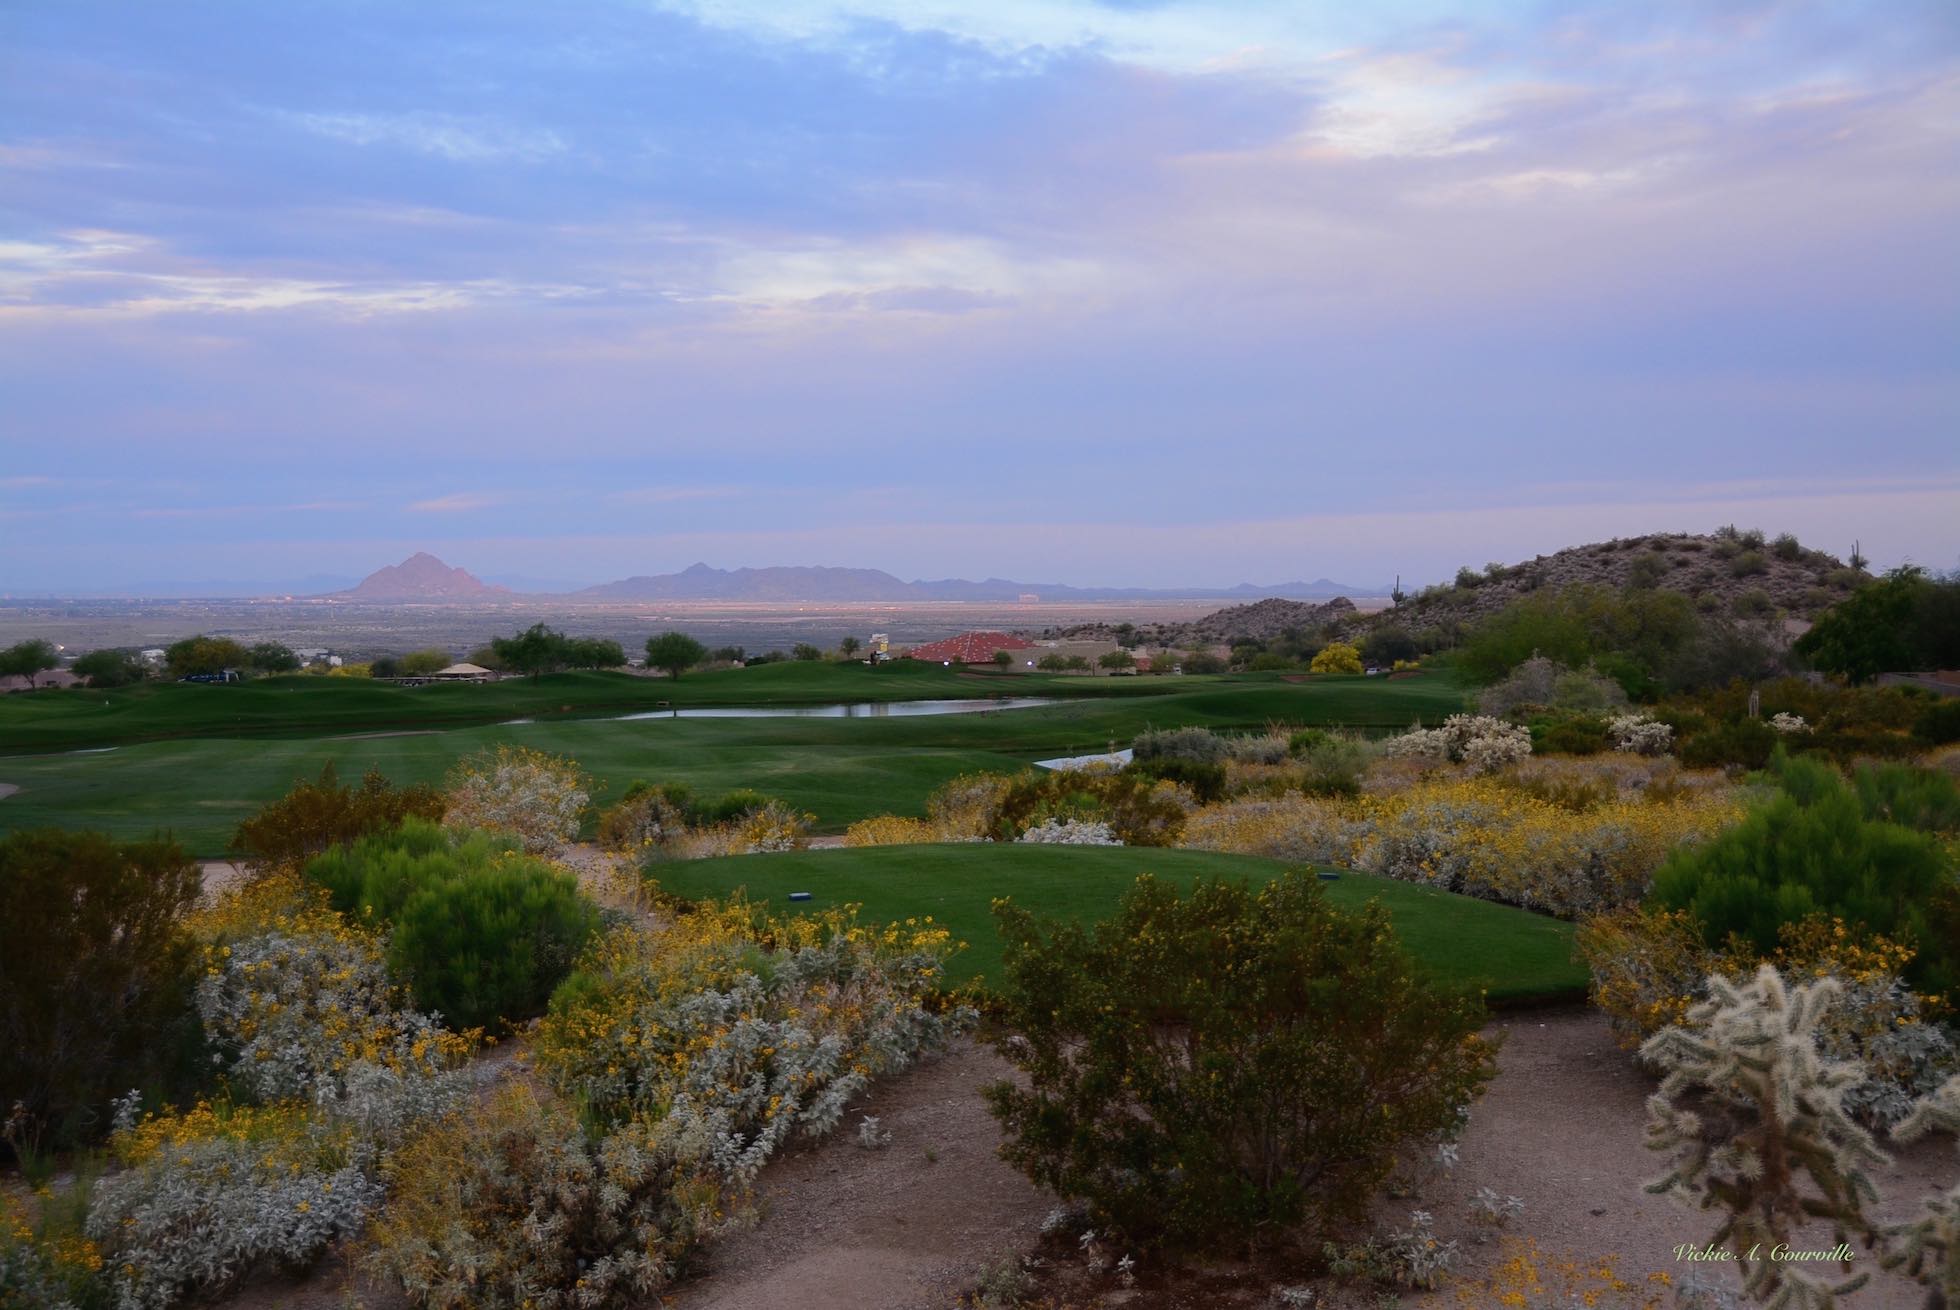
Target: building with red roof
[[969, 648]]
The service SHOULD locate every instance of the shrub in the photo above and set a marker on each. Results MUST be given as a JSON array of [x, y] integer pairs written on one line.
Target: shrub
[[206, 1197], [1196, 745], [890, 830], [1939, 723], [513, 1206], [1568, 734], [1206, 781], [1333, 765], [740, 1029], [1816, 852], [1336, 657], [322, 813], [94, 971], [1139, 810], [762, 824], [1922, 799], [1543, 682], [298, 1004], [1236, 1063], [481, 933], [1745, 743], [538, 797]]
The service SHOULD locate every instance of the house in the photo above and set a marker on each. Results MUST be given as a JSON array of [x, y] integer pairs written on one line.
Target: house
[[971, 648]]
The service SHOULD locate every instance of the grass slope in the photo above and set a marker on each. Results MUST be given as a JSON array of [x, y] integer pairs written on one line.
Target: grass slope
[[1515, 956], [839, 769]]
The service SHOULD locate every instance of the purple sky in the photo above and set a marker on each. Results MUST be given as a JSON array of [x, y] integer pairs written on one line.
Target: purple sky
[[1128, 292]]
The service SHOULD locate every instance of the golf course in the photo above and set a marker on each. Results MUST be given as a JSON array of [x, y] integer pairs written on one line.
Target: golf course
[[193, 760]]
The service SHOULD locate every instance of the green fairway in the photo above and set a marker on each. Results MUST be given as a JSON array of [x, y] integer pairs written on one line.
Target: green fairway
[[1515, 956], [839, 769]]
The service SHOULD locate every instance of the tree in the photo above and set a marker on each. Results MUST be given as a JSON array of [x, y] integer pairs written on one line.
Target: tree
[[676, 652], [109, 668], [272, 657], [726, 655], [536, 650], [849, 647], [27, 658], [1388, 644], [206, 655], [1002, 660], [421, 663], [385, 666], [803, 650], [1116, 659], [1337, 657], [594, 653], [486, 657], [1871, 632]]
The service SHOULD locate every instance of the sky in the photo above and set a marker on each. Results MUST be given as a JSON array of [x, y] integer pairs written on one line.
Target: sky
[[1119, 292]]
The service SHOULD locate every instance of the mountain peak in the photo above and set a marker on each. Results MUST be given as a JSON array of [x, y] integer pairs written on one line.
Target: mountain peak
[[420, 577]]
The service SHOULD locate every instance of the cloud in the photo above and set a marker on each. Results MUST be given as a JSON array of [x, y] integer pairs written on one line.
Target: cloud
[[456, 503], [448, 136]]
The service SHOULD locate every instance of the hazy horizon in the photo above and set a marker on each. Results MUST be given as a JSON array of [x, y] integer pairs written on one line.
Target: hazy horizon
[[1157, 294]]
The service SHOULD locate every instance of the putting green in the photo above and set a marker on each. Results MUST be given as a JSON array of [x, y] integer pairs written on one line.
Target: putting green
[[1514, 956]]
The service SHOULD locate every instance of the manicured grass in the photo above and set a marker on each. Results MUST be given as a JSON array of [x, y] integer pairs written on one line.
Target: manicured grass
[[305, 706], [1515, 956], [839, 769]]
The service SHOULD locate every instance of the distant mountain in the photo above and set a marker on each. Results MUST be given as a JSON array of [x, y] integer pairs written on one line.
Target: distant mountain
[[421, 577], [702, 582]]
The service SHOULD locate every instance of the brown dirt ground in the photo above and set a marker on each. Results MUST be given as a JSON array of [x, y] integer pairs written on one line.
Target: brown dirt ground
[[914, 1224]]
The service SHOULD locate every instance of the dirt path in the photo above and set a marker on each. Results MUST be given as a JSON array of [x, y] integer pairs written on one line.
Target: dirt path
[[909, 1224], [1562, 1127]]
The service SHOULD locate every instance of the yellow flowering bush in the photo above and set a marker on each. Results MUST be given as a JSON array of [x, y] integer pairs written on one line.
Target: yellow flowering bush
[[1525, 1276], [45, 1260], [1483, 836], [513, 1206], [891, 830], [749, 1024]]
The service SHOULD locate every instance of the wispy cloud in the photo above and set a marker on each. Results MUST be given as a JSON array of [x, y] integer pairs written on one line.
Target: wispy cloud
[[456, 503], [469, 139]]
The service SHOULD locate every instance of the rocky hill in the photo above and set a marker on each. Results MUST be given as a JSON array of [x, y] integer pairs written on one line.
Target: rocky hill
[[1737, 573], [421, 577]]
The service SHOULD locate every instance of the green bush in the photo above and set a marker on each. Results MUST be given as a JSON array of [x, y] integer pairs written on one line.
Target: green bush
[[1199, 745], [1568, 734], [1233, 1064], [481, 932], [316, 815], [1912, 798], [1206, 780], [94, 974], [1938, 723], [1813, 850], [1745, 742]]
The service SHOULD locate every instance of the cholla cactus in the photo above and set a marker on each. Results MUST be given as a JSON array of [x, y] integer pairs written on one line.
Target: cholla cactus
[[1638, 734], [1767, 1117], [1483, 743], [1786, 722], [1926, 1248], [539, 797]]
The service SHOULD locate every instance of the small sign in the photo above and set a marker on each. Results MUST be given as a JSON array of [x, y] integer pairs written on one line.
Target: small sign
[[799, 896]]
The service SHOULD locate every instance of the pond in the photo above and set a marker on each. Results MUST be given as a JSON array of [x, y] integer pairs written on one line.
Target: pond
[[897, 709]]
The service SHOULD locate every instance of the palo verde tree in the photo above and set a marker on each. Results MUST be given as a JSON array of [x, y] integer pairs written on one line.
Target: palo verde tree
[[675, 652], [1905, 620]]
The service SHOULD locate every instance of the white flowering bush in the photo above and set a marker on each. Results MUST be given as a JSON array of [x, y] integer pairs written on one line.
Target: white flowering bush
[[538, 797], [516, 1207], [1070, 832], [1787, 723], [1638, 734], [771, 826], [1483, 743], [201, 1205]]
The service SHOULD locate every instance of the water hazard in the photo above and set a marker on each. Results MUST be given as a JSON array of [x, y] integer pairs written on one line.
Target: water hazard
[[897, 709]]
